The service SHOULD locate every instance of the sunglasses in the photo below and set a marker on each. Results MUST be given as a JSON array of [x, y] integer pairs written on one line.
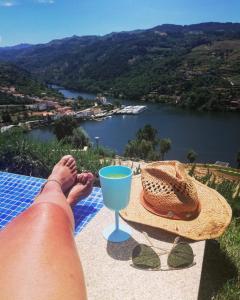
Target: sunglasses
[[179, 257]]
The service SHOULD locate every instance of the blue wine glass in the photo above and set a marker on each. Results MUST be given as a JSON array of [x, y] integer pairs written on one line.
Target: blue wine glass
[[116, 186]]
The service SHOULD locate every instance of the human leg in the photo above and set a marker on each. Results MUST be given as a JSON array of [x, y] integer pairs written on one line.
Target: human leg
[[38, 255]]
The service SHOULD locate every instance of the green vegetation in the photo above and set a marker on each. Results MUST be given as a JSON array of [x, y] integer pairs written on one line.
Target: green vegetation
[[81, 103], [195, 66], [104, 152], [148, 133], [145, 145], [140, 149], [221, 268], [24, 83], [229, 172], [6, 99], [64, 127], [225, 170], [217, 167], [66, 130], [6, 117], [191, 156], [78, 139], [238, 159], [19, 154], [228, 188], [165, 146]]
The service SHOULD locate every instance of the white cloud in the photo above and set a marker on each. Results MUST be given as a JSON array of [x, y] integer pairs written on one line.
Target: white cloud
[[46, 1], [10, 3], [7, 3]]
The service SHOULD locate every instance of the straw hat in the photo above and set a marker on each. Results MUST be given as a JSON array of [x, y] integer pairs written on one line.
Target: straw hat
[[164, 196]]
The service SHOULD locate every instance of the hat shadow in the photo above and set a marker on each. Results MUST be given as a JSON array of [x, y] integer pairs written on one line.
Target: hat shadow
[[158, 234]]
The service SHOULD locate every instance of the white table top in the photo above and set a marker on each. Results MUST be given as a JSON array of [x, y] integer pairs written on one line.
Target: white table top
[[108, 273]]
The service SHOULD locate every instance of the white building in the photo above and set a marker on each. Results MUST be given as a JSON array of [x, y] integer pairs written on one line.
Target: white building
[[84, 113], [6, 128]]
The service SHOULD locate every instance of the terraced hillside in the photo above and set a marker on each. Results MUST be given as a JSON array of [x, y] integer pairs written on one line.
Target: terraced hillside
[[195, 66]]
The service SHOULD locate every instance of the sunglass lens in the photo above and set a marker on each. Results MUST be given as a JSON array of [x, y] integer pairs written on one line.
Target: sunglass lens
[[181, 256], [144, 257]]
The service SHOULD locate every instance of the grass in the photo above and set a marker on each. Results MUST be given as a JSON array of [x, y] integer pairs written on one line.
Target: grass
[[221, 267], [220, 274], [21, 155], [230, 169], [230, 172]]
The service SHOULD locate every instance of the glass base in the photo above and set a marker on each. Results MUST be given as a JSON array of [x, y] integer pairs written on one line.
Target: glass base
[[117, 236]]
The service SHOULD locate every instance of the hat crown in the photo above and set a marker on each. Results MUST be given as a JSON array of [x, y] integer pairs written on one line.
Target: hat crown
[[169, 190]]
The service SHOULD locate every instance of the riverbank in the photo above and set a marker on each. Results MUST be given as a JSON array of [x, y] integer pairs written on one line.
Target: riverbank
[[214, 136], [185, 102]]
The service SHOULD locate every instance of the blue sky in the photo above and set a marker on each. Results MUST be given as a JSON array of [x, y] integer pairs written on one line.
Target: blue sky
[[38, 21]]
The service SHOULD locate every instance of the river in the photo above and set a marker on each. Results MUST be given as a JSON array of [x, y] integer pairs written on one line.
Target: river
[[213, 135]]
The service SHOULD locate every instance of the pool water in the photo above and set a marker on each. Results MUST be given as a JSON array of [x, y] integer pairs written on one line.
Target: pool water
[[17, 193]]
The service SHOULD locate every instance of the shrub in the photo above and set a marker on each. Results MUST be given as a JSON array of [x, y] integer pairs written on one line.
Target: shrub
[[165, 146], [191, 156], [64, 127], [78, 138], [19, 154]]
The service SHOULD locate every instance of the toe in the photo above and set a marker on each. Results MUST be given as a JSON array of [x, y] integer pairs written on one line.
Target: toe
[[72, 165], [64, 160], [70, 161], [73, 169], [85, 178], [74, 172], [90, 177], [82, 178]]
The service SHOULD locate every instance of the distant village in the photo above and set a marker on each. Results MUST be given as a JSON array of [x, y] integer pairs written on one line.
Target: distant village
[[45, 109]]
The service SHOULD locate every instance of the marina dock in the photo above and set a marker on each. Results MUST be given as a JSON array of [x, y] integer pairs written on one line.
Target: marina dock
[[127, 110], [132, 109]]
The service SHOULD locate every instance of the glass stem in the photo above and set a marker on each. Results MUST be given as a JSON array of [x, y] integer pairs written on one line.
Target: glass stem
[[117, 220]]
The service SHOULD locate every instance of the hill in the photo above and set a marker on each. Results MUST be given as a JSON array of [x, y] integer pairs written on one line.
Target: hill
[[18, 85], [196, 66]]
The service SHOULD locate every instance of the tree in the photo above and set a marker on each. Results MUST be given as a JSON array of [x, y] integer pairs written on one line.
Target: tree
[[165, 146], [140, 149], [6, 117], [143, 146], [191, 156], [117, 103], [238, 159], [64, 127], [148, 133], [78, 139], [25, 115]]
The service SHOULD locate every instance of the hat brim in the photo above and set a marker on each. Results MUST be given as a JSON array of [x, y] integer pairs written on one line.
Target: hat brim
[[213, 219]]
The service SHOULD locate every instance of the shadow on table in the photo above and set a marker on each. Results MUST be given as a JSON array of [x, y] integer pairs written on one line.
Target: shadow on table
[[158, 234], [217, 270], [123, 251]]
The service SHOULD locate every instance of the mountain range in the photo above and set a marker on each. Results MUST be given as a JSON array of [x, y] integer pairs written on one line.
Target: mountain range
[[195, 66]]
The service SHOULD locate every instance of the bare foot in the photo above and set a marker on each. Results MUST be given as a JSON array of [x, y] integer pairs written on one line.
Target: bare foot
[[65, 172], [81, 189]]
